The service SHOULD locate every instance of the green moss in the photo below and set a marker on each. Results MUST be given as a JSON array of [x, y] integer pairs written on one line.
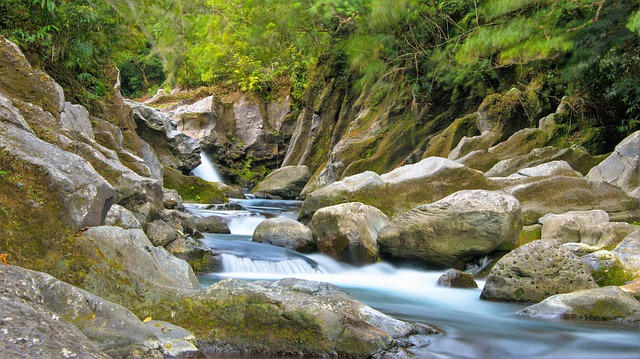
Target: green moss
[[612, 275], [193, 188], [529, 234]]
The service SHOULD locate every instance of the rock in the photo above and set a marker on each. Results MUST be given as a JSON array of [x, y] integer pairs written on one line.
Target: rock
[[212, 224], [192, 188], [621, 168], [285, 232], [119, 216], [536, 271], [602, 304], [468, 145], [201, 258], [632, 288], [174, 341], [171, 199], [290, 316], [562, 194], [443, 143], [286, 182], [141, 259], [67, 310], [454, 278], [399, 190], [591, 228], [85, 196], [349, 231], [553, 168], [607, 269], [577, 157], [75, 120], [503, 114], [160, 233], [174, 149], [529, 234], [628, 251], [453, 231]]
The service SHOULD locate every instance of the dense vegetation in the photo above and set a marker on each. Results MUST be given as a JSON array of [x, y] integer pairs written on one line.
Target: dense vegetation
[[457, 50]]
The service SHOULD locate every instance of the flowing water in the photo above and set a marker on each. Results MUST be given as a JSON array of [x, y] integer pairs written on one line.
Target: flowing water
[[473, 328], [207, 170]]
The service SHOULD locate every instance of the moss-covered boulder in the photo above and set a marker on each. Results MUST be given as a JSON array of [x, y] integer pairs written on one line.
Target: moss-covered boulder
[[443, 143], [601, 304], [349, 232], [607, 269], [536, 271], [192, 188], [399, 190], [452, 231]]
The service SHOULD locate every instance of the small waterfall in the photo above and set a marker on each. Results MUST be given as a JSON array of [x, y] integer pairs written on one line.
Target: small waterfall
[[207, 170], [293, 266]]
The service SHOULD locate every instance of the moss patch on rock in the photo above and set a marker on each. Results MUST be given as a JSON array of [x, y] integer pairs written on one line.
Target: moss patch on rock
[[192, 188]]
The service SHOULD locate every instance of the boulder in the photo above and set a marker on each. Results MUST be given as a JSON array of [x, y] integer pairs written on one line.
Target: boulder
[[349, 231], [67, 311], [171, 199], [119, 216], [454, 278], [540, 196], [536, 271], [160, 233], [602, 304], [548, 169], [174, 341], [285, 232], [285, 183], [202, 259], [628, 251], [632, 288], [621, 168], [192, 188], [289, 316], [399, 190], [212, 224], [453, 231], [607, 269]]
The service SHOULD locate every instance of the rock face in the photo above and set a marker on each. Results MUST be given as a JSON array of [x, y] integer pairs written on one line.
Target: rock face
[[602, 304], [536, 271], [94, 325], [285, 232], [349, 231], [285, 183], [174, 149], [621, 168], [454, 230], [399, 190], [454, 278]]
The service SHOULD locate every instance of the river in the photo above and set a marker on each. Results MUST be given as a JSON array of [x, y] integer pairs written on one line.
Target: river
[[473, 328]]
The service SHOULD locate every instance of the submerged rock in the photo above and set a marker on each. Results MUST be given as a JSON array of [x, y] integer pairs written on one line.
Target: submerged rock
[[536, 271], [285, 183], [454, 278], [349, 231], [454, 230], [603, 304], [285, 232]]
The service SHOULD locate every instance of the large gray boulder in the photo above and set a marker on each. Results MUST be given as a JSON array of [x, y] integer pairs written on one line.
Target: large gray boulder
[[399, 190], [602, 304], [285, 183], [92, 323], [453, 231], [622, 167], [285, 232], [536, 271], [349, 231], [628, 251]]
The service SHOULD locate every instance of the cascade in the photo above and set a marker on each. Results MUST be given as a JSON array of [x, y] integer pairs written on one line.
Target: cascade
[[207, 170], [294, 266]]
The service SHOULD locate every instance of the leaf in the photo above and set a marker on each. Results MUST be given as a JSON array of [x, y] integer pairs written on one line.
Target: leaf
[[147, 320], [3, 259]]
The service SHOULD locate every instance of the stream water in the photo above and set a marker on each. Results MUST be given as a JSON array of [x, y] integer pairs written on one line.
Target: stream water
[[473, 328]]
